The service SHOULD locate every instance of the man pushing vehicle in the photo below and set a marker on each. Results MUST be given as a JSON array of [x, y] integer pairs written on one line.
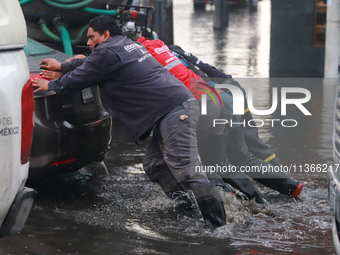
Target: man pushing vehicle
[[184, 68], [144, 96]]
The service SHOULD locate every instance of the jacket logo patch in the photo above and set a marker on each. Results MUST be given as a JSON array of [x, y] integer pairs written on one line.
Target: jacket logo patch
[[132, 47], [161, 49]]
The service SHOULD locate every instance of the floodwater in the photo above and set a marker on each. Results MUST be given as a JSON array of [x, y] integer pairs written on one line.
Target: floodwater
[[91, 212]]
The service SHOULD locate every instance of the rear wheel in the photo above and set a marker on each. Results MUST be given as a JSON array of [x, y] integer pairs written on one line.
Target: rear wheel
[[199, 7]]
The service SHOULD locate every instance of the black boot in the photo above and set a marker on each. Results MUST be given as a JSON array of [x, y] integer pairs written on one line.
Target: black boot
[[274, 179], [255, 145], [243, 183], [210, 204], [185, 200], [282, 183], [185, 203], [239, 154], [213, 177]]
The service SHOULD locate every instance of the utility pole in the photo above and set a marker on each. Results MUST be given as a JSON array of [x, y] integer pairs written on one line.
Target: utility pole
[[162, 19], [332, 44], [221, 14]]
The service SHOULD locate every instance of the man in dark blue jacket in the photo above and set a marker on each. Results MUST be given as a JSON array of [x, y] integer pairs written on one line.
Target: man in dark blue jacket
[[245, 147], [144, 96]]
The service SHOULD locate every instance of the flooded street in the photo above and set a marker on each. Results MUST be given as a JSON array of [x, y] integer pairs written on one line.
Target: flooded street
[[242, 50], [92, 212]]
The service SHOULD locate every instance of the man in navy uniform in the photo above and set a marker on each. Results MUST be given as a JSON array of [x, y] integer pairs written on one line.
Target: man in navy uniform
[[144, 96]]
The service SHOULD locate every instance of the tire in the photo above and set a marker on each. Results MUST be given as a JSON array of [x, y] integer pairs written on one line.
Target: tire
[[199, 7]]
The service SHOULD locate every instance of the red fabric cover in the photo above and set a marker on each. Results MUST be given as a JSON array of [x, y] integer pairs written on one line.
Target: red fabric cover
[[163, 55]]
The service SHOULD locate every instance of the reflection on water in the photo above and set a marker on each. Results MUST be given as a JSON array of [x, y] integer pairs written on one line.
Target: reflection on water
[[242, 50], [124, 213]]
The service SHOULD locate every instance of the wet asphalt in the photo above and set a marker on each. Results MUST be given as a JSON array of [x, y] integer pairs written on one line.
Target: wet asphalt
[[90, 212]]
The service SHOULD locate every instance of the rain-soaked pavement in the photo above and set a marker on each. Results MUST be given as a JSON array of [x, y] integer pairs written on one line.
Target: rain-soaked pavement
[[124, 213]]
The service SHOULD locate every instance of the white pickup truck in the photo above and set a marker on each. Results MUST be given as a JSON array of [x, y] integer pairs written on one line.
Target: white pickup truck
[[16, 120]]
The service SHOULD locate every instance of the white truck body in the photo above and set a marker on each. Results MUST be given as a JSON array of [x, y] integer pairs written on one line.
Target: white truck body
[[14, 75]]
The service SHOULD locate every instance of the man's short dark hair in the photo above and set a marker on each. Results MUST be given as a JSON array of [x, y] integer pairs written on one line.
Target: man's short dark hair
[[102, 23]]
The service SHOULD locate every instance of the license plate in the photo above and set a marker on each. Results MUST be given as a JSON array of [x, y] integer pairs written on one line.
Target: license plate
[[87, 95]]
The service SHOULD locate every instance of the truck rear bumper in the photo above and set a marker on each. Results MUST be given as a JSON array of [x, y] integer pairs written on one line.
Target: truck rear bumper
[[19, 211]]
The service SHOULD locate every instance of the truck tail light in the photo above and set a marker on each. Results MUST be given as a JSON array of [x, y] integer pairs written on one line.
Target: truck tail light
[[27, 108], [63, 162]]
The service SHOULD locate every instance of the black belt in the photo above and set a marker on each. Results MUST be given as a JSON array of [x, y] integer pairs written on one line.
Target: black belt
[[181, 106]]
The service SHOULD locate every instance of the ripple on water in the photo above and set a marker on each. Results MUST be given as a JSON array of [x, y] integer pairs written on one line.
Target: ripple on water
[[128, 201]]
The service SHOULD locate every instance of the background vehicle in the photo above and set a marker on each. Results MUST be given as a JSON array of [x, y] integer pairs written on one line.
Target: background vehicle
[[43, 18], [238, 3], [199, 5], [334, 175], [71, 130], [16, 125], [62, 25]]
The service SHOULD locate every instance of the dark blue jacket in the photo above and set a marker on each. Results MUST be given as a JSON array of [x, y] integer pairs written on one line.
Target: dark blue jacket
[[138, 89]]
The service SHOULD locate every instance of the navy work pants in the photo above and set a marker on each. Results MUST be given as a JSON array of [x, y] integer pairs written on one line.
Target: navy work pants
[[173, 148]]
